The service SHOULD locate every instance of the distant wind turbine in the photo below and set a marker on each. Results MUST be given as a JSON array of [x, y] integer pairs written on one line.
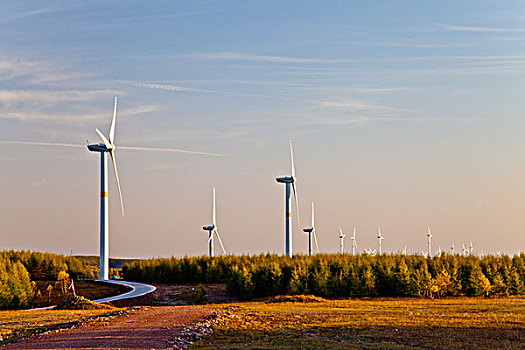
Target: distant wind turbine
[[379, 239], [341, 241], [452, 249], [213, 230], [311, 232], [429, 238], [354, 243], [107, 146], [289, 180]]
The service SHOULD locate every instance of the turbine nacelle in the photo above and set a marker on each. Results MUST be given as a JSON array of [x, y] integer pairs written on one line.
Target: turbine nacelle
[[309, 230], [99, 147], [285, 179], [209, 228]]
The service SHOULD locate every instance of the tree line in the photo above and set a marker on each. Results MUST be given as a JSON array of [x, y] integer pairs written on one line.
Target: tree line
[[329, 275], [19, 271]]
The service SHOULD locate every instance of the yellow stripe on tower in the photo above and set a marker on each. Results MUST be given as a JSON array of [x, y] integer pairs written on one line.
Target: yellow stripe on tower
[[289, 215], [103, 193]]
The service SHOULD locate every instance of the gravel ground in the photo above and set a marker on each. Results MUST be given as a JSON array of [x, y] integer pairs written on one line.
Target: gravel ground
[[165, 327]]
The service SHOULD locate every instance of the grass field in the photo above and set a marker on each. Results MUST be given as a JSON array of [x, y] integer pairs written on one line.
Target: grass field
[[22, 323], [461, 323]]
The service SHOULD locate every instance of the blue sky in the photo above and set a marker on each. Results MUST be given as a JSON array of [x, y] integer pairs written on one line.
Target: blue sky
[[403, 114]]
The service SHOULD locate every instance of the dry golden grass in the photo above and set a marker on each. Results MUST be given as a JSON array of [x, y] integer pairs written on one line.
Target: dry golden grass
[[22, 323], [463, 323]]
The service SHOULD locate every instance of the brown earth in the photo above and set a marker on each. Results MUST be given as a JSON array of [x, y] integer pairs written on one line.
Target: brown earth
[[139, 328]]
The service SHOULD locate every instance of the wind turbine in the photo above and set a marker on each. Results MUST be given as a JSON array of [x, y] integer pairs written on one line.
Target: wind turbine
[[354, 243], [311, 232], [213, 229], [107, 146], [341, 240], [471, 248], [452, 249], [379, 239], [289, 180], [429, 236]]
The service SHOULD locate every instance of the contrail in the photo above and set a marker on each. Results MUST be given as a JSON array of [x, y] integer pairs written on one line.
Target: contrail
[[30, 143]]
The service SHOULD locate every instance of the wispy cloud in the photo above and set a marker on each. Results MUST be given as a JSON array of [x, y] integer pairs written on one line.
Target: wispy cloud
[[165, 87], [49, 97], [232, 56], [357, 106], [462, 28], [73, 117]]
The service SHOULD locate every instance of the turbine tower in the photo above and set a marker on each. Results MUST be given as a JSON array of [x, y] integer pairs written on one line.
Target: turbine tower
[[341, 241], [107, 146], [429, 236], [379, 239], [354, 243], [311, 232], [213, 229], [289, 180]]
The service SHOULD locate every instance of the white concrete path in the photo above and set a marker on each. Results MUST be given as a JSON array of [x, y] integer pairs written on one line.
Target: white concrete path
[[139, 289]]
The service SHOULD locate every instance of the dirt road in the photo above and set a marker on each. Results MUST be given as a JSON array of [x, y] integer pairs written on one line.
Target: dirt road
[[145, 328]]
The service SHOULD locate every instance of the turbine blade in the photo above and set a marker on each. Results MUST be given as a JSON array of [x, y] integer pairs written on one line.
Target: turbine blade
[[296, 205], [316, 245], [214, 216], [104, 139], [353, 236], [153, 149], [30, 143], [210, 238], [112, 129], [341, 231], [118, 182], [220, 241], [291, 157]]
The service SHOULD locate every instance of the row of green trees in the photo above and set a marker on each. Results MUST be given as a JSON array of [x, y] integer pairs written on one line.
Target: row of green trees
[[342, 275], [20, 269], [16, 288], [46, 266]]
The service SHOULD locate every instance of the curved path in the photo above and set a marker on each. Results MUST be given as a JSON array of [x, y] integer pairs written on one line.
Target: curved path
[[138, 290]]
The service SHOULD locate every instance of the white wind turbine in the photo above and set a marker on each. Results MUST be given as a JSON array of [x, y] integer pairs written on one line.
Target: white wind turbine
[[311, 232], [429, 238], [213, 229], [341, 241], [108, 146], [452, 249], [379, 239], [289, 180], [354, 243]]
